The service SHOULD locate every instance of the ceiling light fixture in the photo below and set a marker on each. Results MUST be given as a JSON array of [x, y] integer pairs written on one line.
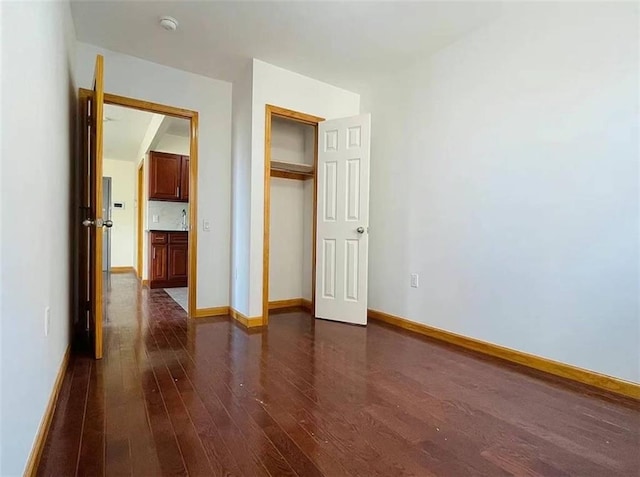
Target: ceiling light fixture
[[169, 23]]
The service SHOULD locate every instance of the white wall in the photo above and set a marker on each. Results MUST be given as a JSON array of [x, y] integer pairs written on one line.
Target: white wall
[[173, 144], [136, 78], [241, 176], [505, 172], [290, 142], [123, 189], [142, 161], [153, 130], [307, 240], [38, 106], [286, 253], [279, 87]]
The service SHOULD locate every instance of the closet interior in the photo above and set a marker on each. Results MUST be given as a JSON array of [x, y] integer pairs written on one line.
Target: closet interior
[[291, 212]]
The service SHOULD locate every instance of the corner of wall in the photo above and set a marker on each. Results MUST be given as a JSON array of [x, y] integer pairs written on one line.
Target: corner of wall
[[242, 94]]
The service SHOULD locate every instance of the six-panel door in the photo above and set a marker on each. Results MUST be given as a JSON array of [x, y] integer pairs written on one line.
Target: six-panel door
[[343, 219]]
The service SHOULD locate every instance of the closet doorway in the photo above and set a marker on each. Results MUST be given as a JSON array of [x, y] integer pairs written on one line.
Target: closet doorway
[[311, 259], [290, 205]]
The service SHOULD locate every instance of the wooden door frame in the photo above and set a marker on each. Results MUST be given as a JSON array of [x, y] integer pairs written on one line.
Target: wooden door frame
[[303, 118], [140, 227], [193, 118]]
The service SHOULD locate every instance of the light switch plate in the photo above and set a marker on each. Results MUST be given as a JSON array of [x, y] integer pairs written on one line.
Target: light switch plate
[[414, 280], [206, 225]]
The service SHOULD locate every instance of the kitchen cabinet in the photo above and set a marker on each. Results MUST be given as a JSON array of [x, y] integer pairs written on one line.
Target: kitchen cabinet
[[184, 179], [169, 264], [168, 177], [178, 257], [158, 263]]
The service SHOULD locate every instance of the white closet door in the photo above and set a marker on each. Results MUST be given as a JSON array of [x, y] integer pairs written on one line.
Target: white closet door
[[343, 219]]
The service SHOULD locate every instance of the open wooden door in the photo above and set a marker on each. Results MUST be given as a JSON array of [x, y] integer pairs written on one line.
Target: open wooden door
[[91, 234], [342, 240]]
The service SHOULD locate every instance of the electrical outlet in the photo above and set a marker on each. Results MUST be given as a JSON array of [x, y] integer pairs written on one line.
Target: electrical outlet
[[47, 320], [206, 225], [155, 219], [414, 280]]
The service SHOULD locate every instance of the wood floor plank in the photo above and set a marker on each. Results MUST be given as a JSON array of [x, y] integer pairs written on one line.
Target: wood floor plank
[[117, 444], [223, 426], [165, 441], [269, 456], [307, 397], [197, 459], [92, 446], [60, 454]]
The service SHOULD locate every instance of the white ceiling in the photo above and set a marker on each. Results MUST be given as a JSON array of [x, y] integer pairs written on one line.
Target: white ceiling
[[342, 43], [124, 129]]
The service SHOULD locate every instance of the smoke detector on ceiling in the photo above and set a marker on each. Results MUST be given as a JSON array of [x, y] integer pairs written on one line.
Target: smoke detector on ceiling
[[169, 23]]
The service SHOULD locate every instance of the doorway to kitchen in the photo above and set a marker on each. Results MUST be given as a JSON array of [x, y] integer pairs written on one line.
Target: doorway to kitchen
[[150, 156]]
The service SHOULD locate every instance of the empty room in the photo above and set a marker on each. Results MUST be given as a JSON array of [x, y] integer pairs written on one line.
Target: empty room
[[320, 238]]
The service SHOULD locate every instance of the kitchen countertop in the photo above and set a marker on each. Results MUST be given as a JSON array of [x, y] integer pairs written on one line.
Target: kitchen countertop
[[167, 230]]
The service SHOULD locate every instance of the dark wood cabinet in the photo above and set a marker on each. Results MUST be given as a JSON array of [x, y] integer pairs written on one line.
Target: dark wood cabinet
[[169, 259], [164, 176], [184, 179], [178, 262], [158, 263], [168, 177]]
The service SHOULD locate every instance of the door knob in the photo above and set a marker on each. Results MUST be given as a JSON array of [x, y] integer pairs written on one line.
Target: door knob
[[97, 223], [360, 230]]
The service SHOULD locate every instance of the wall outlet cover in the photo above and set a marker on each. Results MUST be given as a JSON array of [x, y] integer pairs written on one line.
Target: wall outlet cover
[[414, 280]]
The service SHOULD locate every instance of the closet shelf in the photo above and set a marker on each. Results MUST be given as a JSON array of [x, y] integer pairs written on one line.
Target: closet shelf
[[288, 170]]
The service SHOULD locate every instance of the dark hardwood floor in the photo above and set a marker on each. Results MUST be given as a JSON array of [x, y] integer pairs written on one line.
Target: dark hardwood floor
[[307, 398]]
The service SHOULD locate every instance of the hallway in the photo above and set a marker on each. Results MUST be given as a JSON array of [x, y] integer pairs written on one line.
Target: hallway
[[205, 397]]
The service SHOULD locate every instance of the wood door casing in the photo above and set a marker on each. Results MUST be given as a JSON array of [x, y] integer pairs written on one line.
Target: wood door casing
[[164, 176], [140, 225], [184, 179], [271, 112], [193, 118]]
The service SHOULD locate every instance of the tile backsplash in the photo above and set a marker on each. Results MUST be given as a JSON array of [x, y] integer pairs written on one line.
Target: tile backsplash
[[169, 215]]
